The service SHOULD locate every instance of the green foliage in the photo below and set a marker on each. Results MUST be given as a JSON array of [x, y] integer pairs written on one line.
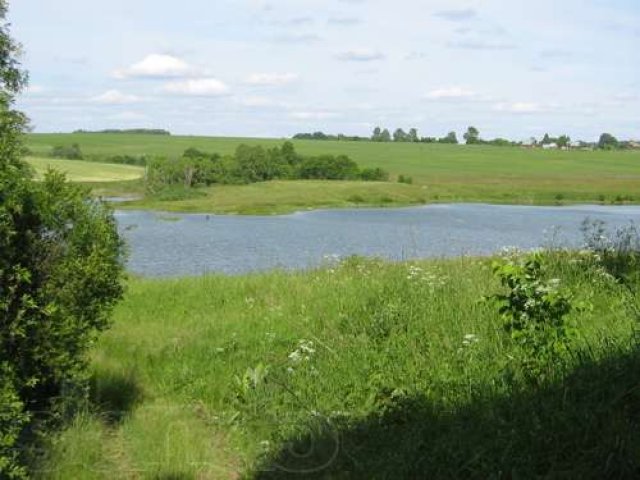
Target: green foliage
[[608, 142], [450, 138], [328, 167], [71, 153], [617, 252], [471, 136], [533, 311], [405, 179], [251, 164], [374, 175], [60, 273]]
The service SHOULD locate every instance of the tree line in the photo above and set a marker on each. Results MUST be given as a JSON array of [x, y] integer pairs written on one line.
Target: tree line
[[251, 164], [129, 131], [472, 137]]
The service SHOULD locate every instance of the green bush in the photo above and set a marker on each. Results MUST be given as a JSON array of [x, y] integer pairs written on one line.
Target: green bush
[[252, 164], [374, 175], [61, 266], [70, 153]]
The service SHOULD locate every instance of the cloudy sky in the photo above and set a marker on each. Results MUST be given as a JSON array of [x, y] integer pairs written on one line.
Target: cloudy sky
[[512, 68]]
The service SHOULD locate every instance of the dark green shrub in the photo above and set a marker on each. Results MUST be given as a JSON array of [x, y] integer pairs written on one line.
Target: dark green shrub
[[374, 175], [405, 179], [328, 167], [61, 267], [72, 152]]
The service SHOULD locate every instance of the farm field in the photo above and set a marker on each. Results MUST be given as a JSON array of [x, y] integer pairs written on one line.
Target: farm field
[[86, 172], [368, 366], [441, 173]]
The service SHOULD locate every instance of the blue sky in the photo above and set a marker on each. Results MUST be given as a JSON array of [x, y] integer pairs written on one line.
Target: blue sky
[[512, 68]]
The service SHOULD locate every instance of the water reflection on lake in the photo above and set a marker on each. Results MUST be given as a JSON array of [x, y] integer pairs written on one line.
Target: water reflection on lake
[[166, 244]]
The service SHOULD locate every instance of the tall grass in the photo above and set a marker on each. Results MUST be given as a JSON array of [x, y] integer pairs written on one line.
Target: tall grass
[[360, 369]]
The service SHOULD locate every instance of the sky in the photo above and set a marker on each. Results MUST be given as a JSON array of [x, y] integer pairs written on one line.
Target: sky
[[273, 68]]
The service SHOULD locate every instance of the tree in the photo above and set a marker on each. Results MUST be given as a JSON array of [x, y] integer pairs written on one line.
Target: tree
[[376, 134], [413, 135], [61, 268], [563, 141], [450, 138], [546, 140], [471, 136], [385, 136], [399, 135], [608, 142]]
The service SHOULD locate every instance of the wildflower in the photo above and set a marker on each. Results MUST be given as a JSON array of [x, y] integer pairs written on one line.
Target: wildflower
[[295, 356], [469, 339]]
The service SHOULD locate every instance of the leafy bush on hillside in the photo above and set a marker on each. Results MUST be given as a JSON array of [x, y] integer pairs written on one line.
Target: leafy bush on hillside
[[72, 152], [252, 164]]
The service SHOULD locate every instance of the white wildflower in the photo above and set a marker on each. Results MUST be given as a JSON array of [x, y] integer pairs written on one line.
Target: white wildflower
[[469, 339]]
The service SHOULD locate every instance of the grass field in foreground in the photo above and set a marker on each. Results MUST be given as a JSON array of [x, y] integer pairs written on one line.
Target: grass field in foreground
[[87, 172], [446, 173], [375, 370]]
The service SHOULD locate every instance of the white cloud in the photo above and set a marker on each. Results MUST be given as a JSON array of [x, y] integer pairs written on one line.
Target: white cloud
[[480, 45], [519, 107], [457, 15], [128, 116], [450, 93], [256, 102], [115, 97], [156, 66], [271, 79], [343, 21], [204, 87], [318, 115], [360, 55]]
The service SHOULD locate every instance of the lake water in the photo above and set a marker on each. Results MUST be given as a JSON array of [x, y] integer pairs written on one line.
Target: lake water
[[167, 244]]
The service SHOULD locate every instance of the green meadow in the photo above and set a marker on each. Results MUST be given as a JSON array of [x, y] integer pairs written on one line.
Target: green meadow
[[361, 369], [86, 172], [440, 173]]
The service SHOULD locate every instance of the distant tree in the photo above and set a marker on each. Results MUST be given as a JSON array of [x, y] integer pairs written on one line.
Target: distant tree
[[253, 163], [413, 135], [451, 138], [376, 136], [608, 142], [471, 136], [71, 153], [385, 136], [399, 135], [563, 141], [328, 167], [546, 140]]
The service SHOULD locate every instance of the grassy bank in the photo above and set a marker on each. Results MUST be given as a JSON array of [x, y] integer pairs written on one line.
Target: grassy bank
[[441, 173], [363, 369], [86, 172], [284, 196]]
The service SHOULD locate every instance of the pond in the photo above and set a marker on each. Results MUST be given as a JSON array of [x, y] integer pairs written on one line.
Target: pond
[[170, 244]]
